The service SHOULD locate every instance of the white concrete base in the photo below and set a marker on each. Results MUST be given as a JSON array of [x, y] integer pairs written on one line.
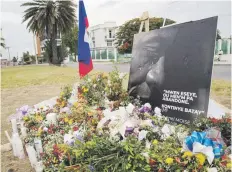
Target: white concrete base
[[216, 110]]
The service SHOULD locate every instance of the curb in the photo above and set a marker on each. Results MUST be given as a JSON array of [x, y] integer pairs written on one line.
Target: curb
[[218, 64]]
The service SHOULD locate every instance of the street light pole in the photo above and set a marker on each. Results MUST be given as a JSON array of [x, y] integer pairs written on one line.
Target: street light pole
[[36, 59], [166, 12], [8, 52]]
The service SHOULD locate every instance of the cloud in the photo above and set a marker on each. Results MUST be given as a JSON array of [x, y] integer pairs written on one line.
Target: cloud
[[109, 4]]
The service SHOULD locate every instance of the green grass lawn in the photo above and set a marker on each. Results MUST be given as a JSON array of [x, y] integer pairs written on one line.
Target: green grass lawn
[[37, 75], [221, 92]]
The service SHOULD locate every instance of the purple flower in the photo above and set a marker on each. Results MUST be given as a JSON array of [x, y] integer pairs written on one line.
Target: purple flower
[[23, 109], [129, 130], [145, 108], [78, 136], [19, 113]]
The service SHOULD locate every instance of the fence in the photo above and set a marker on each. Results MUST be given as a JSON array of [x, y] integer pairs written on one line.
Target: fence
[[224, 45], [104, 54]]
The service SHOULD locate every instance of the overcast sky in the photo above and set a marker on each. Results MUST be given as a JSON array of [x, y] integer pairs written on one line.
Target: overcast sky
[[19, 39]]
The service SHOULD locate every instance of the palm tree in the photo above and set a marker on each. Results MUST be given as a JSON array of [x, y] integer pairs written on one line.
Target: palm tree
[[50, 17], [2, 43]]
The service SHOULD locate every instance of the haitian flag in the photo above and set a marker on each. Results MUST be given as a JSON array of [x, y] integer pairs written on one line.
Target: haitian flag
[[84, 56]]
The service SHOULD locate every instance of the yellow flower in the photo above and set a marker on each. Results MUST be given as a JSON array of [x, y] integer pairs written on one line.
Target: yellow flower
[[85, 90], [63, 104], [70, 122], [200, 158], [187, 154], [155, 142], [62, 94], [66, 119], [169, 161], [39, 132], [229, 165], [26, 118], [39, 118], [75, 104]]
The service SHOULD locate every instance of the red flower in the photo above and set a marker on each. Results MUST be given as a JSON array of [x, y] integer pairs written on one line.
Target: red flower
[[229, 120], [50, 131], [224, 157], [214, 120], [75, 128]]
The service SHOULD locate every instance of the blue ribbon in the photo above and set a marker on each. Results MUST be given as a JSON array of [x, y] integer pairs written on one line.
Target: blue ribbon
[[201, 138]]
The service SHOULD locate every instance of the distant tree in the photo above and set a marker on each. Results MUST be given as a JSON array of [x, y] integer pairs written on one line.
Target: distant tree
[[15, 59], [125, 35], [50, 17], [63, 52], [70, 40], [218, 35], [26, 57], [3, 43]]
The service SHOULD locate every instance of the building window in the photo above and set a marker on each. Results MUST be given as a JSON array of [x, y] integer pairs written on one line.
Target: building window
[[109, 43], [110, 34]]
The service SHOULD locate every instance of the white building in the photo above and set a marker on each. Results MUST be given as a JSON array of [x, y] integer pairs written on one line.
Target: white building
[[102, 35]]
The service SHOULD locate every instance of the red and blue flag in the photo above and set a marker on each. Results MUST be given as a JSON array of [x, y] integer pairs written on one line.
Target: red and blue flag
[[84, 55]]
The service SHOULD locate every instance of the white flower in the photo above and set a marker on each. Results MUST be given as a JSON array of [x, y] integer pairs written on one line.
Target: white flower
[[167, 130], [45, 129], [94, 86], [147, 105], [121, 75], [145, 154], [148, 144], [109, 82], [89, 80], [157, 111]]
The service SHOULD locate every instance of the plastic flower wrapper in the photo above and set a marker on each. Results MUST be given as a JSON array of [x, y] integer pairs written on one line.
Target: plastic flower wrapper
[[130, 108], [197, 142], [69, 139], [215, 134], [43, 106], [65, 110], [142, 135], [74, 93], [214, 169]]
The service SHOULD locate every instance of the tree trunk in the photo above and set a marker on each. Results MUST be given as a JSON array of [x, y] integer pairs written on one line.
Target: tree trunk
[[75, 54], [55, 59]]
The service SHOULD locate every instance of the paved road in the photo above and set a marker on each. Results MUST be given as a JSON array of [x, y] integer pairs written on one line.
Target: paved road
[[219, 71]]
